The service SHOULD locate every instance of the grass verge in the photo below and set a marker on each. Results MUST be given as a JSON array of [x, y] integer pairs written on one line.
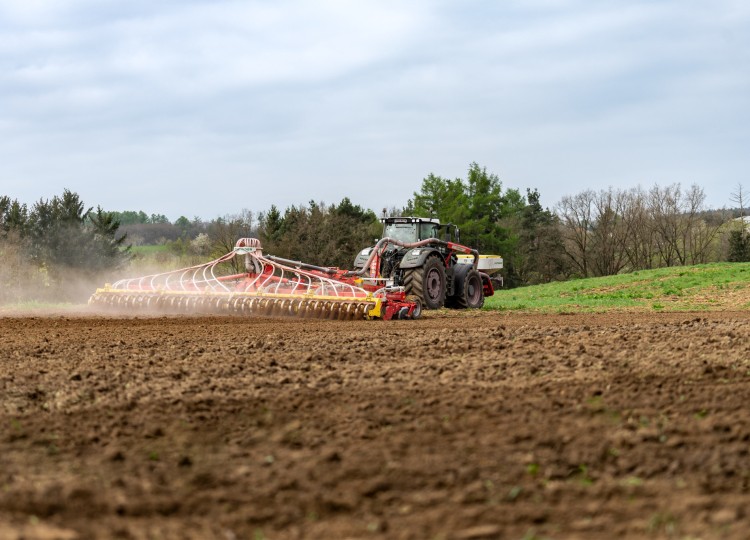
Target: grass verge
[[705, 287]]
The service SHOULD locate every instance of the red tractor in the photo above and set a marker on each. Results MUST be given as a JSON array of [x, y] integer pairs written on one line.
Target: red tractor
[[424, 257]]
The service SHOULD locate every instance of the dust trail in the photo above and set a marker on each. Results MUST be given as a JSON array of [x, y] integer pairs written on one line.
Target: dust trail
[[30, 288], [26, 289]]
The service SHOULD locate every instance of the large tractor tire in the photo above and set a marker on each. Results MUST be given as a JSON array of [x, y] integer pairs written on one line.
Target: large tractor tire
[[468, 289], [427, 283]]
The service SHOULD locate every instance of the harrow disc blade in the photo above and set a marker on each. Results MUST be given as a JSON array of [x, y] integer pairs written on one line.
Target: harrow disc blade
[[238, 305]]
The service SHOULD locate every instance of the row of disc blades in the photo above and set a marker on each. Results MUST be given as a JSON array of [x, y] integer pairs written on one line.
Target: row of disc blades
[[310, 308]]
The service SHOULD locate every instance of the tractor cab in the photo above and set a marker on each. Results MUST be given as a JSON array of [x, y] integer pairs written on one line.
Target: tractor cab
[[415, 229]]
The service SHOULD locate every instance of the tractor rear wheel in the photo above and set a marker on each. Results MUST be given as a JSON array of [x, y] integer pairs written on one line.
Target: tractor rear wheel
[[468, 289], [427, 283]]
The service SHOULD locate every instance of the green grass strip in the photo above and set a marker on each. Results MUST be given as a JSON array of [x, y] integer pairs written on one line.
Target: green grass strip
[[705, 287]]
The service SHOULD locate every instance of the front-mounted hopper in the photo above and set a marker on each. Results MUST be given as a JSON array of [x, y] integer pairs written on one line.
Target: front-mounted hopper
[[268, 286]]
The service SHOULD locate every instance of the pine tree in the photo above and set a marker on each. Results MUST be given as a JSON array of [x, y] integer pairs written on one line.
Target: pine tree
[[739, 246]]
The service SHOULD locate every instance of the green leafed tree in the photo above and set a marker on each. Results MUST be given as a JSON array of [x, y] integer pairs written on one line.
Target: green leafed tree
[[477, 206], [131, 217], [55, 244], [158, 218], [14, 217], [326, 235], [182, 222], [106, 246], [539, 257], [739, 245], [270, 228], [439, 197], [68, 239], [739, 237]]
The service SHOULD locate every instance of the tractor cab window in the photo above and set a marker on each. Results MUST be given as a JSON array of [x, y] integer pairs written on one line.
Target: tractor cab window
[[427, 230], [405, 232]]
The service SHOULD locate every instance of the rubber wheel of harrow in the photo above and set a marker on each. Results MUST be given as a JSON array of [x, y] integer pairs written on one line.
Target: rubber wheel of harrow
[[469, 292], [417, 311], [427, 283]]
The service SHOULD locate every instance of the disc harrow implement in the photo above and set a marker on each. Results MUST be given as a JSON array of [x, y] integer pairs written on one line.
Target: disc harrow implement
[[269, 286]]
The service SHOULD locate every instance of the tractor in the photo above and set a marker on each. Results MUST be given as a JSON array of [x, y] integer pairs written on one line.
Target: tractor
[[425, 258]]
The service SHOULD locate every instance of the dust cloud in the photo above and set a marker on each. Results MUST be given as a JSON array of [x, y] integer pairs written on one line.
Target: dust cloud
[[28, 289]]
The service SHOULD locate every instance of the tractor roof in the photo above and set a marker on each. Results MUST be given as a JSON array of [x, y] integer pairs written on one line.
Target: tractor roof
[[410, 219]]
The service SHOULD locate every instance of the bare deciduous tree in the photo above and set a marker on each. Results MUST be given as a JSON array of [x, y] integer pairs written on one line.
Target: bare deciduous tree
[[225, 231], [608, 233], [740, 198], [639, 244], [576, 217], [612, 231], [682, 235]]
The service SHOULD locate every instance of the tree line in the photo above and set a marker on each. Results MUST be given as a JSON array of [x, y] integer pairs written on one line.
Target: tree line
[[591, 233], [54, 242], [613, 231]]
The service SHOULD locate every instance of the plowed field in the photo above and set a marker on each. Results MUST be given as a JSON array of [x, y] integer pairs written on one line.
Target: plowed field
[[483, 425]]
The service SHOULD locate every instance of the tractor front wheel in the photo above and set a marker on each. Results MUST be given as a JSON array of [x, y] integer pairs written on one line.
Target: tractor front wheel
[[427, 283]]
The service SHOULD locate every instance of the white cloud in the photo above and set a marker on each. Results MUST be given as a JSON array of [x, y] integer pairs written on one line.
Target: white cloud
[[224, 45], [295, 100]]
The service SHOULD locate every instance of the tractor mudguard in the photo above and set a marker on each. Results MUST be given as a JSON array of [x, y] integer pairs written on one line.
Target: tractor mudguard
[[416, 257], [361, 260], [489, 290]]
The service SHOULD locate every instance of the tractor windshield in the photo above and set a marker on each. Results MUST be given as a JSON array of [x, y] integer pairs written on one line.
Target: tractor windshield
[[405, 232]]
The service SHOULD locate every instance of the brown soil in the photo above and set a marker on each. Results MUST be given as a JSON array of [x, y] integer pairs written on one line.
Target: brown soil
[[485, 426]]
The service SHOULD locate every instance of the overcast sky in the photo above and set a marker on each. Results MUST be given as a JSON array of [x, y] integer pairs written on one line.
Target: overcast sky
[[203, 108]]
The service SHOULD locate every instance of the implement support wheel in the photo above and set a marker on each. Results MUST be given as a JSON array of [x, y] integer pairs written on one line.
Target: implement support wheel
[[469, 292]]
